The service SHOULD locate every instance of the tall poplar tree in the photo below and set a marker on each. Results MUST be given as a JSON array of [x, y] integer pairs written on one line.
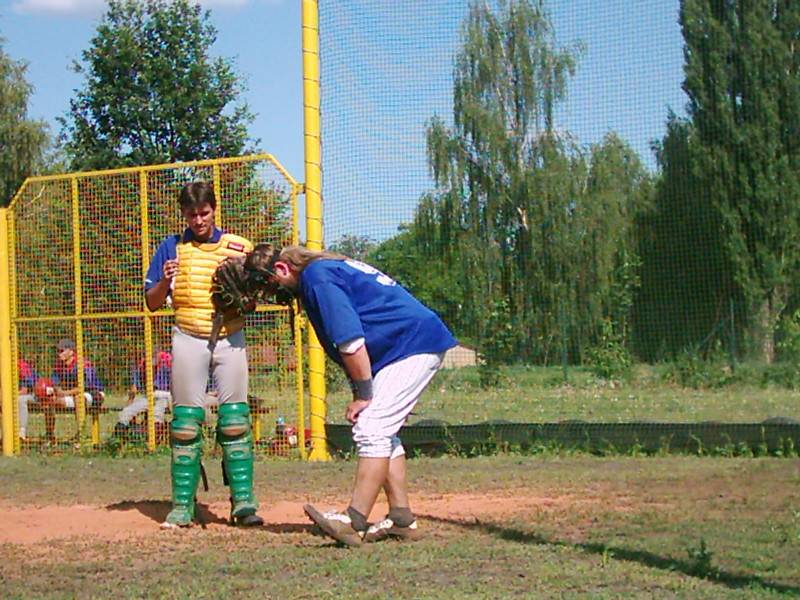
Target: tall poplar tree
[[688, 298], [742, 76], [23, 141]]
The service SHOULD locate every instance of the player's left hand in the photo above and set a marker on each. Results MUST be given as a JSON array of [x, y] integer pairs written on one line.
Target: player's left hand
[[354, 409]]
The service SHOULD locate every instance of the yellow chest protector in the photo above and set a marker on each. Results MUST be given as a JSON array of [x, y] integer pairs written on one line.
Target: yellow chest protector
[[191, 296]]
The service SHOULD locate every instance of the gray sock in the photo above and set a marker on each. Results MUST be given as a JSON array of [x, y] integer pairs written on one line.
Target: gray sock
[[358, 520], [402, 517]]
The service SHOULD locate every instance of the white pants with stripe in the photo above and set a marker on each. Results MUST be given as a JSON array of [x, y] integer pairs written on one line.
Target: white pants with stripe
[[139, 405], [396, 389], [192, 361]]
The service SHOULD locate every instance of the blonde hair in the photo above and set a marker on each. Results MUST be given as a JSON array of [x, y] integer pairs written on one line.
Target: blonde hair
[[300, 257]]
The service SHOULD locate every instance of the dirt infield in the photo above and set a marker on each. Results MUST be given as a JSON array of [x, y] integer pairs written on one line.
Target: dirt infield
[[133, 519]]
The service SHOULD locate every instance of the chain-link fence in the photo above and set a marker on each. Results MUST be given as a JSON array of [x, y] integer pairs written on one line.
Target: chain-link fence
[[92, 364]]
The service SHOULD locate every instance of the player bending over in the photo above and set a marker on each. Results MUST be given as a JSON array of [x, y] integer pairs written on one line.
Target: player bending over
[[389, 344]]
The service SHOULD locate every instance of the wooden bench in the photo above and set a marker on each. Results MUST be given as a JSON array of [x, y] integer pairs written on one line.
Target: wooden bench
[[92, 413]]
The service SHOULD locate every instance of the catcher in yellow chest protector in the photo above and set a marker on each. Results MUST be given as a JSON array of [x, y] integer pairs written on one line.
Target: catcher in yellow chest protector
[[207, 339]]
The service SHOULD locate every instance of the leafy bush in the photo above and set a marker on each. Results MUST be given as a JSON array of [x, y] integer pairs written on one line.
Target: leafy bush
[[690, 369], [610, 358], [497, 344]]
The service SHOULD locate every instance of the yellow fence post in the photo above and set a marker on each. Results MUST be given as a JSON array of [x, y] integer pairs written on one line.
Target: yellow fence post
[[144, 210], [80, 404], [6, 370], [313, 189]]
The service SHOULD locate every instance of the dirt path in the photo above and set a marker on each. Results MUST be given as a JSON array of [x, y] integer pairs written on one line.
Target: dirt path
[[132, 519]]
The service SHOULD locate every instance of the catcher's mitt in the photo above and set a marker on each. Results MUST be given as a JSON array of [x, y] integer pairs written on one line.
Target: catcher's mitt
[[240, 284]]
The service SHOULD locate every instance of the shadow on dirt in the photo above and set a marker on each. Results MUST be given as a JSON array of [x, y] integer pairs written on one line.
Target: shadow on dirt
[[157, 510], [649, 559]]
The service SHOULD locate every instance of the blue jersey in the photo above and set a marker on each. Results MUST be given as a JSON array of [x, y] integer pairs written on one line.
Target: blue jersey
[[161, 373], [66, 376], [168, 250], [346, 300]]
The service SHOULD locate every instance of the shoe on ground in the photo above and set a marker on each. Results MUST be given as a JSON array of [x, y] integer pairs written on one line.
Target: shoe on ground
[[248, 521], [336, 525], [387, 529], [179, 516], [243, 509]]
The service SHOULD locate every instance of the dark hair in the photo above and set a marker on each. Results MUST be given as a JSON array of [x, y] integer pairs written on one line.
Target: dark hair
[[197, 193]]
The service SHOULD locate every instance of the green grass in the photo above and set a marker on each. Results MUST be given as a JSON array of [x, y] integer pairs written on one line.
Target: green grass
[[678, 527], [540, 394]]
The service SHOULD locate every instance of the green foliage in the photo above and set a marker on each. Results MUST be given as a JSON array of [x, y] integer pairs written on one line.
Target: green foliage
[[522, 217], [789, 338], [23, 141], [417, 266], [693, 370], [700, 561], [354, 246], [610, 359], [497, 347], [152, 92], [688, 296], [741, 75]]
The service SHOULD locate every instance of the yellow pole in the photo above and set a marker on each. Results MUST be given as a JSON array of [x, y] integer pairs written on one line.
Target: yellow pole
[[6, 371], [12, 280], [80, 406], [148, 319], [313, 189]]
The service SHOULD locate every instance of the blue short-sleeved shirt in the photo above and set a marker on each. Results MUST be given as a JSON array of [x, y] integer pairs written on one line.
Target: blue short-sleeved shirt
[[66, 376], [168, 250], [345, 300], [161, 373]]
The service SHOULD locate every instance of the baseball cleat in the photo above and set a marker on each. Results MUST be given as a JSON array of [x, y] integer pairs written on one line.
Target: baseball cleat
[[336, 525], [248, 521], [387, 529], [179, 516]]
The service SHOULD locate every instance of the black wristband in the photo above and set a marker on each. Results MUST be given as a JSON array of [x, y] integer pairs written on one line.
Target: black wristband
[[362, 388]]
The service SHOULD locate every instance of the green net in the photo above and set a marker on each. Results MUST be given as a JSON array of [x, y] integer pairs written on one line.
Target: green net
[[600, 190]]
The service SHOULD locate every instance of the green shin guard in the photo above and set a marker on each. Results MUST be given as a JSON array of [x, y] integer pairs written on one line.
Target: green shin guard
[[186, 436], [235, 436]]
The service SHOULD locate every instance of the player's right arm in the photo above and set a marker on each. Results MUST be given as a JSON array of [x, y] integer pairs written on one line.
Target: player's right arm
[[161, 273]]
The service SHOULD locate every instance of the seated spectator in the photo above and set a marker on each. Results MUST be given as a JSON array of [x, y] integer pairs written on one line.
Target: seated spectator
[[137, 398], [27, 380], [65, 385]]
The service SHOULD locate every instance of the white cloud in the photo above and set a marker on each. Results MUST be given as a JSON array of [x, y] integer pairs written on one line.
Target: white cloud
[[59, 7], [96, 7]]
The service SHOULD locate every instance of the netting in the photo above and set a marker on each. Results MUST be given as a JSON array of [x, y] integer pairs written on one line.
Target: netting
[[603, 186], [79, 247]]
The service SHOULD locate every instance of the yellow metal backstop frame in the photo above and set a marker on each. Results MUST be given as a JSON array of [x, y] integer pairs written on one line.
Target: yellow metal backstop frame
[[8, 301]]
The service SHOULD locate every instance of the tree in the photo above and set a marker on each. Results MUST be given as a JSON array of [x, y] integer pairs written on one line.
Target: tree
[[688, 299], [354, 246], [22, 141], [152, 93], [503, 171], [742, 76], [538, 230]]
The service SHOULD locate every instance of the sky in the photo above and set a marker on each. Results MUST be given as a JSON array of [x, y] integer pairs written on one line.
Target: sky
[[374, 163], [262, 36]]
